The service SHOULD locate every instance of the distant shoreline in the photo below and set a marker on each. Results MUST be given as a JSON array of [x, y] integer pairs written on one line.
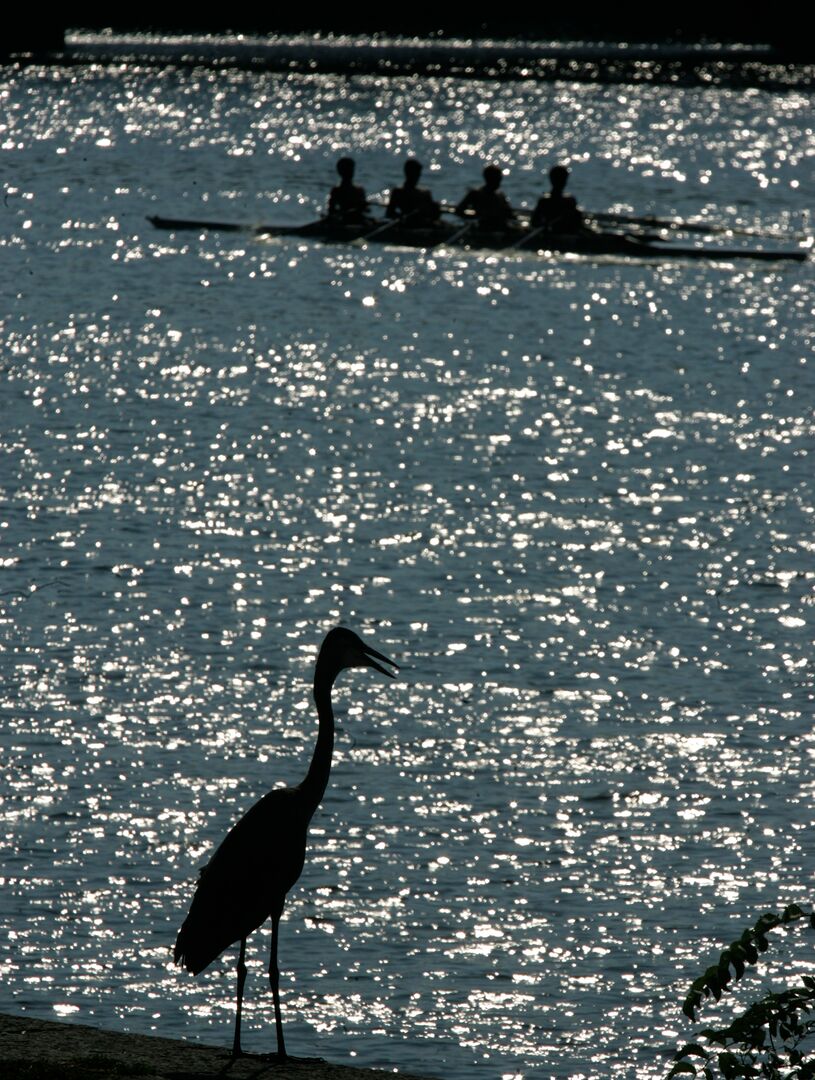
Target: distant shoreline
[[36, 1049], [768, 66]]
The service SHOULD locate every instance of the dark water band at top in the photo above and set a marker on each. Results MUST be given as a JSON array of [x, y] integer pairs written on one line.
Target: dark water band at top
[[768, 66]]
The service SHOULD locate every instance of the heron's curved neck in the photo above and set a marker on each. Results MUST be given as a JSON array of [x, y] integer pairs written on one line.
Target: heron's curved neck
[[316, 780]]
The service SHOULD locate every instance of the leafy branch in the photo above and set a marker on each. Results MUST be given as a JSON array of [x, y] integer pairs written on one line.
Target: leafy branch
[[765, 1040]]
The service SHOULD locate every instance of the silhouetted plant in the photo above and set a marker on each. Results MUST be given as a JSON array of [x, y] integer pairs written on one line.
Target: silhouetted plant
[[766, 1040]]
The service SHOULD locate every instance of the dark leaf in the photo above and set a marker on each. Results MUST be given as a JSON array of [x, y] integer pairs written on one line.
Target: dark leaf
[[711, 975], [692, 1002], [691, 1048], [765, 923], [720, 1037], [682, 1067], [724, 962], [730, 1065]]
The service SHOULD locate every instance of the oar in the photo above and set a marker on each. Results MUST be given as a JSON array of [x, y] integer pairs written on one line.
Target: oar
[[384, 228], [675, 224], [525, 238], [375, 232], [686, 226], [456, 235], [657, 223]]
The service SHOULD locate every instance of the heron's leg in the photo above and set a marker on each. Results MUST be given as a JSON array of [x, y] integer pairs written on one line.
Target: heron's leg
[[236, 1045], [274, 980]]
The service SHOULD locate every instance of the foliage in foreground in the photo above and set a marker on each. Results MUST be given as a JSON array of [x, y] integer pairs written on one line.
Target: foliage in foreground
[[766, 1040]]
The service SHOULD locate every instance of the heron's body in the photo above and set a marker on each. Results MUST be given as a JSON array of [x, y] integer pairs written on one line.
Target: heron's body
[[262, 856], [246, 879]]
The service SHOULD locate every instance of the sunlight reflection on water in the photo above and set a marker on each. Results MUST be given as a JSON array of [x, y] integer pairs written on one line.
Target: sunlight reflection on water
[[574, 500]]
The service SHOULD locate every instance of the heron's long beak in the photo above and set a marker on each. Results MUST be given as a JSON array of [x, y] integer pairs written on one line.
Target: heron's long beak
[[371, 656]]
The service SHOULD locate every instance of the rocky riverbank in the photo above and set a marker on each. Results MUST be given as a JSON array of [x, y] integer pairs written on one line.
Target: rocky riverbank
[[32, 1049]]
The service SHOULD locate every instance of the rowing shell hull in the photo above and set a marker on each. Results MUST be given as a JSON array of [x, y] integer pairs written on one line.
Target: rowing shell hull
[[586, 244]]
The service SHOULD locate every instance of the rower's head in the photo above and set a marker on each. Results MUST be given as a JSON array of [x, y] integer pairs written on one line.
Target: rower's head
[[492, 177], [558, 177], [413, 170], [345, 167]]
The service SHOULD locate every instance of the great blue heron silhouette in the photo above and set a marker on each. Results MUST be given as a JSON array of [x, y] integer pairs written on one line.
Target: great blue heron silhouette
[[246, 880]]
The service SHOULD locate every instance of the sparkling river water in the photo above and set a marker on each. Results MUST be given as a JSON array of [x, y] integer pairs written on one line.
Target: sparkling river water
[[573, 499]]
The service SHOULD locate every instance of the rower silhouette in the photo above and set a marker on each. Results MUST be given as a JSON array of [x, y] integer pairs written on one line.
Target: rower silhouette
[[411, 205], [347, 202], [489, 205], [556, 212]]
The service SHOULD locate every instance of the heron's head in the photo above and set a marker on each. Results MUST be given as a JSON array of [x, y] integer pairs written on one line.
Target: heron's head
[[342, 648]]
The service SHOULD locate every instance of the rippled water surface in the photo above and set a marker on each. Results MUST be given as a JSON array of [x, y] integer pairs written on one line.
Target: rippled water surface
[[572, 499]]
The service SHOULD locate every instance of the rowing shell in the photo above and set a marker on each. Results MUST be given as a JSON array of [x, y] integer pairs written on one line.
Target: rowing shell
[[586, 243]]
